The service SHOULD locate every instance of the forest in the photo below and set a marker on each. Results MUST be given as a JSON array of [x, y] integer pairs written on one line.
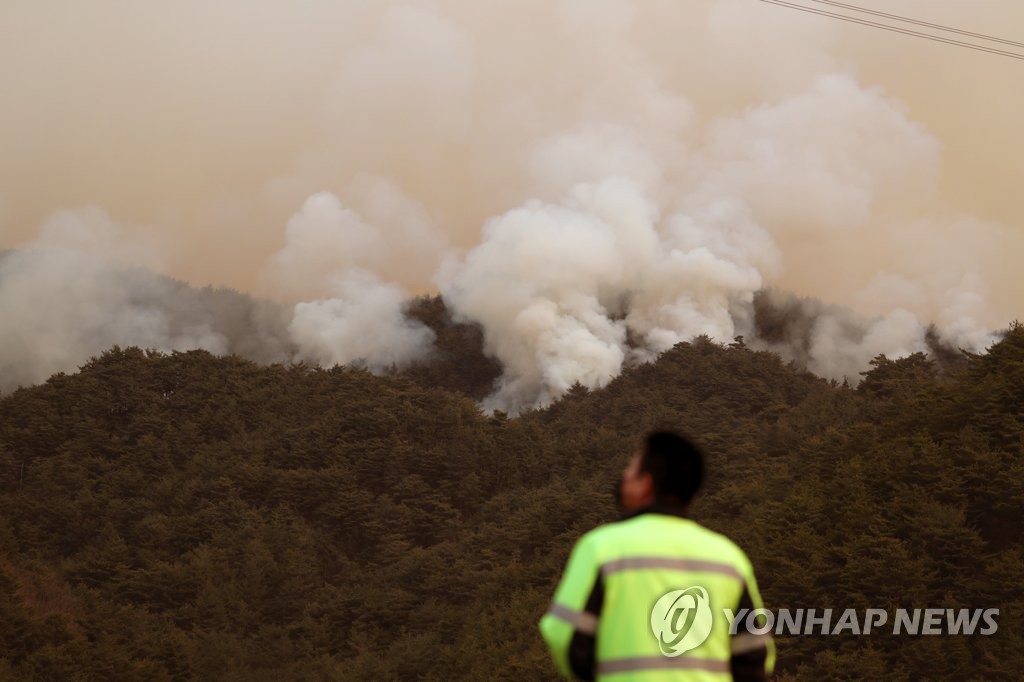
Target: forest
[[184, 516]]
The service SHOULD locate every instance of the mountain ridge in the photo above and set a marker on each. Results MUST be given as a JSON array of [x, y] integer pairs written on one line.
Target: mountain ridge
[[206, 516]]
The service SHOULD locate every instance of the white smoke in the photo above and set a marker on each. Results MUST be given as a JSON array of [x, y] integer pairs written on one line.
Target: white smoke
[[328, 248], [378, 228], [545, 284], [641, 171], [624, 268], [74, 291], [835, 353], [323, 237], [557, 287], [83, 285], [363, 324], [821, 162]]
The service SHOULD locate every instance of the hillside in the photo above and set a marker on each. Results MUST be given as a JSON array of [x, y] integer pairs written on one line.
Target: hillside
[[184, 516]]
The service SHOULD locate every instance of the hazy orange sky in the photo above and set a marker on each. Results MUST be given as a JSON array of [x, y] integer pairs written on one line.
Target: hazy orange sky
[[201, 127]]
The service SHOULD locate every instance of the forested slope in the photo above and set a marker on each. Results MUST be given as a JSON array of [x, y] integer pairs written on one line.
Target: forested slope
[[186, 516]]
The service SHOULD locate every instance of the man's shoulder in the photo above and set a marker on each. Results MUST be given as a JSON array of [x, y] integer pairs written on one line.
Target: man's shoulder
[[609, 535], [605, 535], [598, 533], [726, 542], [725, 546]]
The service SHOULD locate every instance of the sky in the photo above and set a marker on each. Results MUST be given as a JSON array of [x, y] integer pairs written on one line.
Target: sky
[[300, 149]]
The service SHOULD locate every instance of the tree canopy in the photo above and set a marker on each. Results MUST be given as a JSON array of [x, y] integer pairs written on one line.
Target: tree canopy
[[184, 516]]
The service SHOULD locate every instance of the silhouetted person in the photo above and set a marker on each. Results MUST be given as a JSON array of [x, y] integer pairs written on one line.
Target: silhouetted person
[[642, 598]]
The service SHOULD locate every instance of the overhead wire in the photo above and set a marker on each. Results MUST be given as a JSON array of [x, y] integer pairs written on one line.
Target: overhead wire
[[888, 27], [918, 22]]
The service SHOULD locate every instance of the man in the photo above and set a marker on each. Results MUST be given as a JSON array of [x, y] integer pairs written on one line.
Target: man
[[643, 598]]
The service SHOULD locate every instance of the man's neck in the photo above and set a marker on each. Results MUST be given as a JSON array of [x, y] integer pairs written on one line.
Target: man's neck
[[667, 507]]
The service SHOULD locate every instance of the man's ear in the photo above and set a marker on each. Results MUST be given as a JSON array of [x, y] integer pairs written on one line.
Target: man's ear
[[648, 483]]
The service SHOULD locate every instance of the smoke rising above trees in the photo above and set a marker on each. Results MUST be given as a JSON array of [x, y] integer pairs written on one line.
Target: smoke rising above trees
[[626, 182]]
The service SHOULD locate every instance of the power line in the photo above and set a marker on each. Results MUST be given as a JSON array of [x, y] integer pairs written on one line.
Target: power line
[[920, 23], [905, 31], [887, 27]]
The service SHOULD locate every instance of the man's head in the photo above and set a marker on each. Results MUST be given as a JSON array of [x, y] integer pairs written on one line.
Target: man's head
[[667, 470]]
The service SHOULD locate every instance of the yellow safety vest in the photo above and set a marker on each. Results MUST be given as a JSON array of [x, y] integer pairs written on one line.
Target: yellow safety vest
[[619, 573]]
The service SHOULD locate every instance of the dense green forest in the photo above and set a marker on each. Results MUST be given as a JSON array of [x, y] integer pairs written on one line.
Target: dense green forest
[[178, 517]]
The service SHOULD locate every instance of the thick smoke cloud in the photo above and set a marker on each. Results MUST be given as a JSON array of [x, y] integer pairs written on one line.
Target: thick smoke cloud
[[591, 181], [361, 321], [558, 288], [363, 324], [623, 269], [77, 289]]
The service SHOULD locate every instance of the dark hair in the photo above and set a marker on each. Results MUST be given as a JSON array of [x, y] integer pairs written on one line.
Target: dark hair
[[676, 466]]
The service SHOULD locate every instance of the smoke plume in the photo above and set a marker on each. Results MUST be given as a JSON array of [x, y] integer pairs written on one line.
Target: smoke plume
[[361, 320], [77, 289], [590, 181]]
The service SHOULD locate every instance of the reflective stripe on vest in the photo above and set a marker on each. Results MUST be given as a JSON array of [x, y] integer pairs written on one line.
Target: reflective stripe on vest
[[646, 562], [745, 642], [582, 621], [633, 564]]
